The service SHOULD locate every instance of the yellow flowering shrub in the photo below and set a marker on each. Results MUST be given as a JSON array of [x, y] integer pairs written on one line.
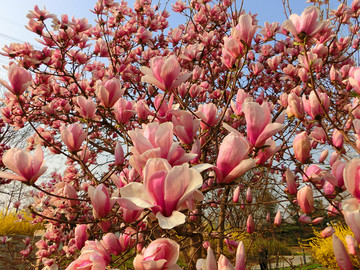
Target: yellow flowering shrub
[[11, 224], [322, 249]]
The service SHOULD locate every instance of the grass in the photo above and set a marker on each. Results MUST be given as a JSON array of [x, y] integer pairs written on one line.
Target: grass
[[305, 267]]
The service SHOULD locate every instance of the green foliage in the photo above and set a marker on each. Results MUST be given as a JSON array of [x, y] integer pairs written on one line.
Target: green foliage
[[11, 224]]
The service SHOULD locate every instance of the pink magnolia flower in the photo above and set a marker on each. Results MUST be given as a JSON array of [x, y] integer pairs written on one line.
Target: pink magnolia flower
[[302, 147], [310, 61], [305, 199], [232, 50], [224, 263], [329, 188], [231, 162], [162, 253], [327, 232], [354, 79], [142, 109], [352, 244], [27, 168], [19, 78], [295, 106], [318, 134], [351, 210], [70, 192], [245, 29], [250, 225], [87, 107], [208, 114], [109, 92], [268, 217], [185, 126], [241, 97], [81, 235], [352, 177], [317, 220], [119, 154], [93, 256], [156, 141], [267, 152], [305, 219], [240, 257], [323, 155], [73, 136], [315, 106], [337, 139], [227, 58], [249, 195], [277, 220], [111, 243], [164, 191], [17, 204], [100, 200], [236, 194], [341, 255], [313, 173], [164, 73], [231, 244], [305, 26], [338, 171], [258, 123], [290, 182], [124, 110], [209, 263]]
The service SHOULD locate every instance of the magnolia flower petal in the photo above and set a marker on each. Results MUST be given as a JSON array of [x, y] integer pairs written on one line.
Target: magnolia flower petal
[[182, 78], [270, 130], [240, 169], [136, 193], [202, 167], [8, 175], [177, 218]]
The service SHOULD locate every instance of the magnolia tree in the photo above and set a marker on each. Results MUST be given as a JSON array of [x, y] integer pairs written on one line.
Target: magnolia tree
[[168, 134]]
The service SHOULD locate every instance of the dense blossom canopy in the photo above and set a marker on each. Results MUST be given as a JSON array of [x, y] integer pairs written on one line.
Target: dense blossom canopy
[[178, 139]]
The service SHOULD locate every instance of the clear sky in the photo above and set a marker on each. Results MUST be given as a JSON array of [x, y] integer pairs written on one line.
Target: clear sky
[[13, 15]]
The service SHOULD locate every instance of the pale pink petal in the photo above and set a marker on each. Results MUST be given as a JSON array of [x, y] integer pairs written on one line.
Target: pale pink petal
[[341, 255], [351, 175], [270, 130], [8, 175], [195, 182], [181, 79], [255, 120], [156, 66], [240, 169], [22, 161], [8, 160], [140, 142], [170, 71], [164, 138], [39, 173], [136, 193], [240, 257], [202, 167], [38, 158], [152, 80], [177, 218]]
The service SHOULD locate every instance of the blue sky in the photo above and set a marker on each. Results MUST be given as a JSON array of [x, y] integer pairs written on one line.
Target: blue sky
[[13, 15]]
